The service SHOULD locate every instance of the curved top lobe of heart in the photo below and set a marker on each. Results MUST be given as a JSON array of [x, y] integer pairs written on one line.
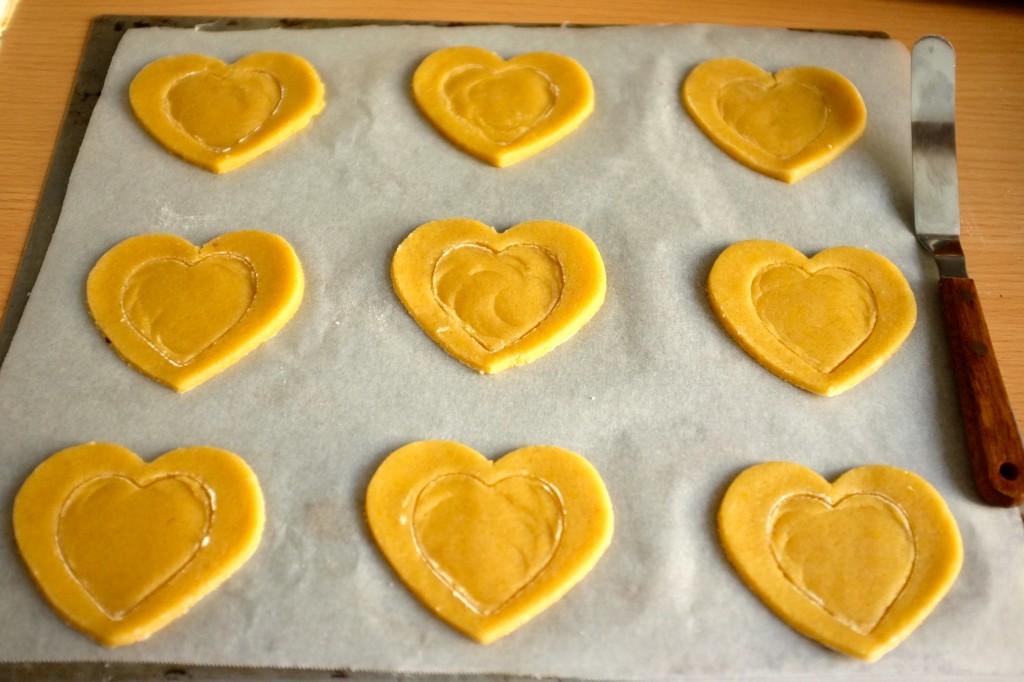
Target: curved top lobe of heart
[[502, 111], [496, 300], [486, 545], [221, 116], [823, 324], [181, 314], [784, 126], [121, 547], [856, 564]]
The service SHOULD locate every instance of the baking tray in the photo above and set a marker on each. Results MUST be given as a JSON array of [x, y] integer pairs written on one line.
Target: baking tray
[[104, 37]]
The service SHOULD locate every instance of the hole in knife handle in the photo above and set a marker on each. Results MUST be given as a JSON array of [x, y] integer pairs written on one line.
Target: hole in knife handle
[[1009, 471]]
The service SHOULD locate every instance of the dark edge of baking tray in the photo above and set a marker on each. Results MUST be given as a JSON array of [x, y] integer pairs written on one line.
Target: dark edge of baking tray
[[105, 33], [92, 71], [72, 671]]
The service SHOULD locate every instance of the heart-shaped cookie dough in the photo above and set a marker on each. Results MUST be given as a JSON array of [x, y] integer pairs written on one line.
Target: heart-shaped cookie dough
[[221, 116], [784, 126], [823, 324], [502, 111], [486, 546], [496, 300], [120, 548], [856, 565], [180, 313]]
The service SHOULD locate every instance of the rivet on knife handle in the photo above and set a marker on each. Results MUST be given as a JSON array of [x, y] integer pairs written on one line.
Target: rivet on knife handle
[[993, 439]]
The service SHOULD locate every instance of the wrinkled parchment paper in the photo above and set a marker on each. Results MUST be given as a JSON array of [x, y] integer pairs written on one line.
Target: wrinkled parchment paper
[[651, 391]]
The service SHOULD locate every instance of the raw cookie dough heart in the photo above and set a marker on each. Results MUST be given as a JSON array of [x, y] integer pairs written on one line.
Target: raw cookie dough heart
[[181, 314], [496, 300], [220, 116], [486, 546], [823, 324], [784, 126], [856, 565], [502, 111], [120, 548]]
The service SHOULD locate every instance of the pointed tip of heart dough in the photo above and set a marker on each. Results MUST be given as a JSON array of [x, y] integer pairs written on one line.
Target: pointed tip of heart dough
[[67, 539], [791, 536]]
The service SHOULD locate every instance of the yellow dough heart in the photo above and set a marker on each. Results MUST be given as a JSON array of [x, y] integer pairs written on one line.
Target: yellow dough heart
[[496, 300], [181, 314], [486, 546], [221, 116], [823, 324], [120, 548], [501, 111], [784, 126], [856, 565]]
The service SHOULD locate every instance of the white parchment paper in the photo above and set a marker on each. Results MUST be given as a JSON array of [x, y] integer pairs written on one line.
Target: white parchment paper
[[651, 391]]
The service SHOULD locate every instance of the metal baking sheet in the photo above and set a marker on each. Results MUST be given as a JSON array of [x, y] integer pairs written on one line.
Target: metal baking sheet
[[651, 391]]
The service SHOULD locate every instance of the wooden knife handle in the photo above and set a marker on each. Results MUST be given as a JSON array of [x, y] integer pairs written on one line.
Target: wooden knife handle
[[993, 438]]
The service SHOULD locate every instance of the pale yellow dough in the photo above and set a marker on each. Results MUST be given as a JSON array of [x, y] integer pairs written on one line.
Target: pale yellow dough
[[498, 299], [856, 565], [823, 324], [120, 548], [784, 126], [221, 116], [486, 546], [502, 111], [181, 314]]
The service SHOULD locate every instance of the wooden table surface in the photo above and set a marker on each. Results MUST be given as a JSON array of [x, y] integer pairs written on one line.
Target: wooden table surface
[[40, 49]]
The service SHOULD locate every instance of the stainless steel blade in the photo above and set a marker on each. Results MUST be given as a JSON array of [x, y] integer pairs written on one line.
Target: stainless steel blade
[[933, 134], [993, 439]]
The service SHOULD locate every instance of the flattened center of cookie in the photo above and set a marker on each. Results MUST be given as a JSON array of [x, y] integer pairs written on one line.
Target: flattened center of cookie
[[122, 541], [504, 104], [487, 542], [183, 308], [498, 296], [782, 118], [222, 107], [852, 558], [823, 318]]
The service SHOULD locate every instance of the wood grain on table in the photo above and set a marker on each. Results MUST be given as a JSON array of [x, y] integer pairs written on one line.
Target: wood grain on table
[[40, 49]]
